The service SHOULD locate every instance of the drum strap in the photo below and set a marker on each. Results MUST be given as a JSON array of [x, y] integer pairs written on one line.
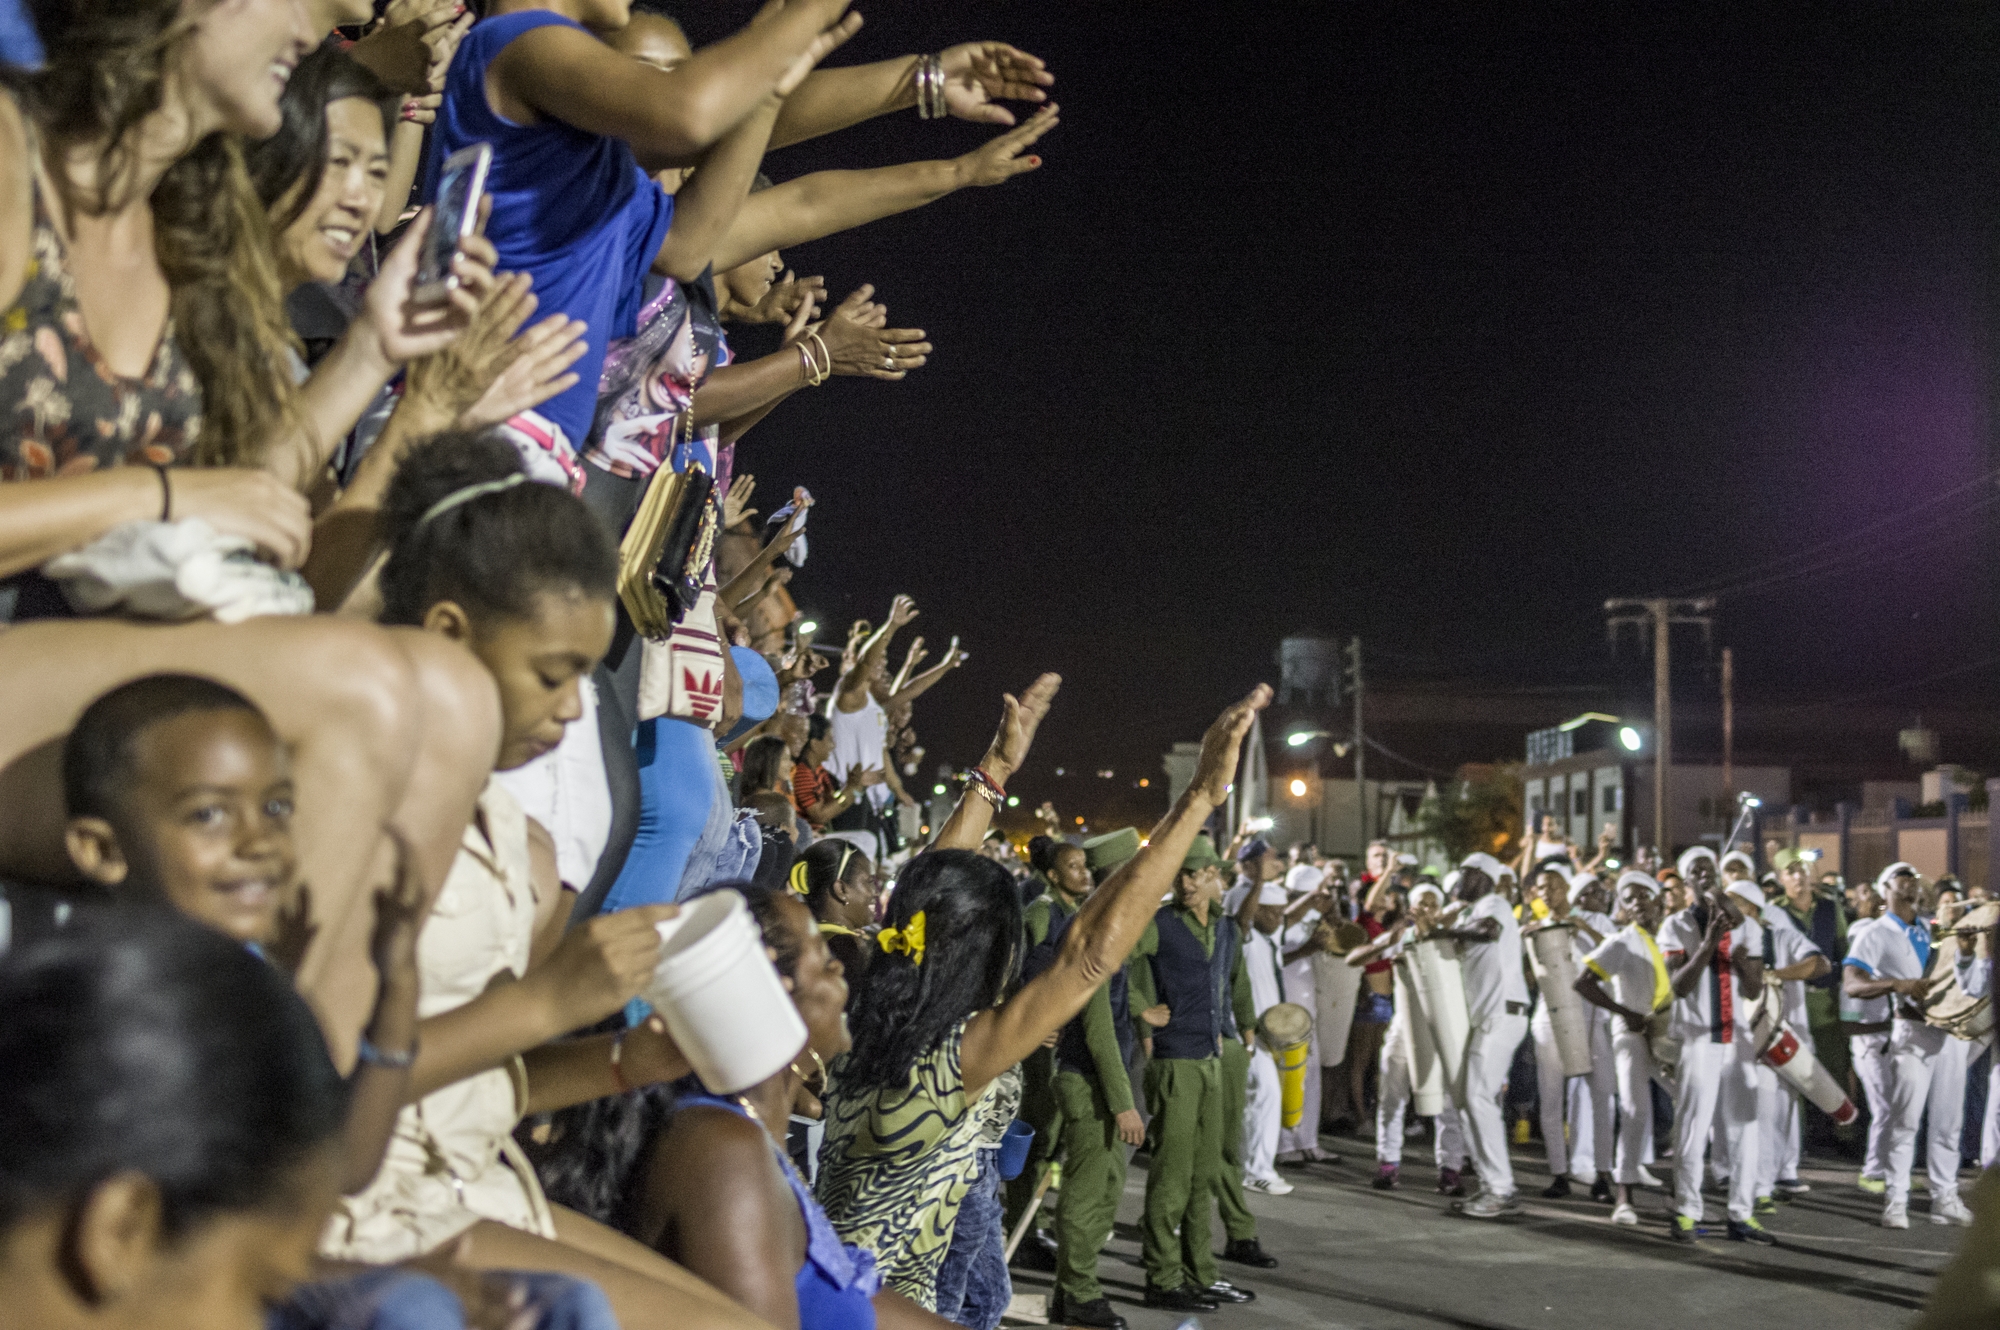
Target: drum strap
[[1663, 984]]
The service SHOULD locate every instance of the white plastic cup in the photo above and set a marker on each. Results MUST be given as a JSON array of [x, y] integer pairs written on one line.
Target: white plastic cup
[[721, 998]]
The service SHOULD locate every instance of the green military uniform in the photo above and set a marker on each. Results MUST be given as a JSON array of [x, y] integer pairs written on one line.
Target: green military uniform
[[1183, 1086], [1038, 1073], [1822, 996], [1091, 1090], [1238, 1224]]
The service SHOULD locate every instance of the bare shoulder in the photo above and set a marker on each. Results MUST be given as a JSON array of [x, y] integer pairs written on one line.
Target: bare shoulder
[[17, 194]]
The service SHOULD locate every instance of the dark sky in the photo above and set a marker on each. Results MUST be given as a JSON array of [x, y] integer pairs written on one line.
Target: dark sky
[[1432, 323]]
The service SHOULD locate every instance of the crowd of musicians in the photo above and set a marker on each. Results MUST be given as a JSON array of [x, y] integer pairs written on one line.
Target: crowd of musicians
[[1671, 1029]]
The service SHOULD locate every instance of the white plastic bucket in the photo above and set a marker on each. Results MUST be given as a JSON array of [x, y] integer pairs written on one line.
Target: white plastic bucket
[[721, 998]]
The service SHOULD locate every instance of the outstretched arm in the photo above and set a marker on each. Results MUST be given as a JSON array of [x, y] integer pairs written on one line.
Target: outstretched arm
[[966, 828], [853, 686], [977, 76], [669, 117], [825, 202], [1108, 925]]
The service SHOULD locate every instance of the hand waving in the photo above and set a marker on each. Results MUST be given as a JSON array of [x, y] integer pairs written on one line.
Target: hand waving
[[979, 74], [1222, 746], [1019, 719], [1002, 159]]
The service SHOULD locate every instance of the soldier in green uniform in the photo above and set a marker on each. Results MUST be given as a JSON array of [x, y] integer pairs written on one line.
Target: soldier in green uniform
[[1187, 960], [1094, 1097], [1065, 868]]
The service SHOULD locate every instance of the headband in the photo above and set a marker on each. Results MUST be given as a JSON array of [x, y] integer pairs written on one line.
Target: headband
[[468, 493]]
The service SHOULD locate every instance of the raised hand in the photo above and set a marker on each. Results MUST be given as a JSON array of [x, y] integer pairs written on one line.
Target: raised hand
[[1222, 746], [539, 370], [405, 329], [784, 298], [1019, 719], [736, 504], [1005, 157], [977, 75], [859, 345], [902, 611]]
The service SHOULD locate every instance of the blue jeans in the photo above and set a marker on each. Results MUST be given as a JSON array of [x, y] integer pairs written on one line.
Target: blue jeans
[[677, 784], [972, 1285], [389, 1298]]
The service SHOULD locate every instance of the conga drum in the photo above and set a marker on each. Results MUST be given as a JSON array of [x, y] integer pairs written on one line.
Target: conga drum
[[1288, 1033], [1427, 1088], [1337, 987], [1437, 988], [1552, 949]]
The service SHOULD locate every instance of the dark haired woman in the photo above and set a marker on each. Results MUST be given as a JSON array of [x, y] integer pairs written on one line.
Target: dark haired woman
[[172, 1147], [524, 577], [767, 765], [141, 330], [838, 883], [934, 1024]]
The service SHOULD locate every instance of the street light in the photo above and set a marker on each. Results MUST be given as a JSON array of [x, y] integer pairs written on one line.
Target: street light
[[808, 627], [1304, 737], [1298, 789], [1631, 739]]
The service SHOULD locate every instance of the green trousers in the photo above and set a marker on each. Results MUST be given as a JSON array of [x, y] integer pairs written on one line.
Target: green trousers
[[1093, 1181], [1237, 1221], [1038, 1110], [1184, 1096]]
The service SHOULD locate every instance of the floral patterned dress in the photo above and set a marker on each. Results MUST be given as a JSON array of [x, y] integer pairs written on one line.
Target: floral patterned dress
[[63, 411]]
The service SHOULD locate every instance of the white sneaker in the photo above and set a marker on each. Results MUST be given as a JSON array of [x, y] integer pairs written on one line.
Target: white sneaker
[[1270, 1186], [1895, 1215], [1623, 1213], [1946, 1208], [1487, 1205], [1646, 1179]]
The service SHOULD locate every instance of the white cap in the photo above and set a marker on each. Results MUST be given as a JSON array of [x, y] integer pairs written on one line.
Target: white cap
[[1749, 891], [1303, 878], [1450, 883], [1427, 889], [1488, 865], [1406, 860], [1897, 869], [1580, 879], [1688, 856], [1271, 894], [1739, 857], [1633, 877]]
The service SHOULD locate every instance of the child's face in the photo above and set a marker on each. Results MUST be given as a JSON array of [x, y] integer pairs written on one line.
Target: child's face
[[208, 821]]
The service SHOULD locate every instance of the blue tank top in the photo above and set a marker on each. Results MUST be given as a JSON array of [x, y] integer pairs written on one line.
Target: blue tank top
[[571, 208], [837, 1282]]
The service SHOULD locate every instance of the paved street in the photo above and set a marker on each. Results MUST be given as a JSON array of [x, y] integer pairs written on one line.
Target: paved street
[[1354, 1257]]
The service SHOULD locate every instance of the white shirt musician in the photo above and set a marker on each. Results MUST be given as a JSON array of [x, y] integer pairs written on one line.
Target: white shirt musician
[[1626, 977], [1496, 997]]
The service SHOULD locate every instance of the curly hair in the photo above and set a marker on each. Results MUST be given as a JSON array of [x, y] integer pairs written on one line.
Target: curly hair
[[902, 1007], [107, 71]]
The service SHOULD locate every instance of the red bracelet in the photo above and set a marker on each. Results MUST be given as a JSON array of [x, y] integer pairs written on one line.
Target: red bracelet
[[979, 774]]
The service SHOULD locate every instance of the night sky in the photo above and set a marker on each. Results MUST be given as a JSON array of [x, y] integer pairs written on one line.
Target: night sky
[[1436, 324]]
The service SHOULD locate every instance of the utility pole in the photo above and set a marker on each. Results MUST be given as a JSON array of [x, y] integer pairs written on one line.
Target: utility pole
[[1729, 726], [1656, 616], [1360, 745]]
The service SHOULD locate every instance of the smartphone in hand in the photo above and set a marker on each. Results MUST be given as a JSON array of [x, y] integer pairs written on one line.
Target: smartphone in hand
[[460, 188]]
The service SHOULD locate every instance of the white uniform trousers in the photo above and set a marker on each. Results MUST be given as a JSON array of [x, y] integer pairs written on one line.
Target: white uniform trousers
[[1632, 1061], [1926, 1066], [1263, 1112], [1392, 1103], [1718, 1086], [1488, 1056], [1870, 1055], [1584, 1102]]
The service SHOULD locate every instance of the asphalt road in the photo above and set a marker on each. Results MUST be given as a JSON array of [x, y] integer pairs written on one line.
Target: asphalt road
[[1355, 1257]]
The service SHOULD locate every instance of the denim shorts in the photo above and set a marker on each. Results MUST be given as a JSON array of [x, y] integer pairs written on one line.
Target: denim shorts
[[1373, 1009]]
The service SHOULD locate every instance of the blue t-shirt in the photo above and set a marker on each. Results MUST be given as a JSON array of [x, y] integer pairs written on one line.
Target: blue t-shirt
[[572, 209]]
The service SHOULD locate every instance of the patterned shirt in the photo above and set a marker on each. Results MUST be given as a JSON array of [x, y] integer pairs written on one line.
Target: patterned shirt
[[896, 1164]]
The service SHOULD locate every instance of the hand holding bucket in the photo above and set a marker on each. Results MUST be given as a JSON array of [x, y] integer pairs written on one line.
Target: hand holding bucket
[[721, 998]]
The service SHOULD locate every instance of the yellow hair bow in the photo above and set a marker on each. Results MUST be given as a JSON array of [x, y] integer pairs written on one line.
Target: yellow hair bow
[[909, 939], [798, 882]]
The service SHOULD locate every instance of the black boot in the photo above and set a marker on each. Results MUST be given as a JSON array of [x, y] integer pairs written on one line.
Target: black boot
[[1248, 1251], [1224, 1291], [1096, 1313], [1558, 1189], [1600, 1190], [1186, 1298]]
